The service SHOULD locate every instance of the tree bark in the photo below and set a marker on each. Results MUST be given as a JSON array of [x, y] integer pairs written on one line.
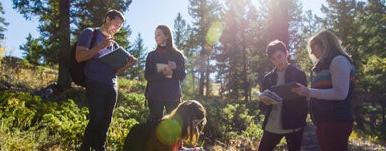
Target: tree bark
[[202, 70], [207, 79], [64, 77], [279, 21]]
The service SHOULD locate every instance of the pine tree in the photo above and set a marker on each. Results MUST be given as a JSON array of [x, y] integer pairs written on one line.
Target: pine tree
[[367, 47], [278, 20], [180, 32], [310, 25], [138, 50], [185, 42], [369, 38], [340, 16], [204, 13], [241, 58], [32, 50], [233, 53], [284, 22], [3, 23]]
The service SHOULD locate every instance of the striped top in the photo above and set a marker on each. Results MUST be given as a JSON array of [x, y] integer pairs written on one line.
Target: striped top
[[331, 90]]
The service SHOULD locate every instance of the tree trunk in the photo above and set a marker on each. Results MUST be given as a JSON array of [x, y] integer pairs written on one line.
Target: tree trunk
[[279, 19], [207, 79], [202, 72], [201, 84], [245, 69], [383, 114], [193, 81], [246, 83], [64, 78]]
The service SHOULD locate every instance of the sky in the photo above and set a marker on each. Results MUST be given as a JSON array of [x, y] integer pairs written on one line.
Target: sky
[[143, 17]]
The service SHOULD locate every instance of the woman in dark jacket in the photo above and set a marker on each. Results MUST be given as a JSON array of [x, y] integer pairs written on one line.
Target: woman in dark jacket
[[165, 71]]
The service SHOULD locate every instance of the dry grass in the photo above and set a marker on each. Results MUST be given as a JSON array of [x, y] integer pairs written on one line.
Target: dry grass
[[18, 72]]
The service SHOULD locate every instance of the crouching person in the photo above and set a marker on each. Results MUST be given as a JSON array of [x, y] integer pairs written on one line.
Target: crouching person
[[179, 128]]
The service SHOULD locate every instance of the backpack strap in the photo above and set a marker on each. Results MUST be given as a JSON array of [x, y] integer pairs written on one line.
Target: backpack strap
[[93, 39]]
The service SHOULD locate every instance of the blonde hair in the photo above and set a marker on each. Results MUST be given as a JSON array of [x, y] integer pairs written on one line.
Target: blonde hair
[[186, 112], [330, 46]]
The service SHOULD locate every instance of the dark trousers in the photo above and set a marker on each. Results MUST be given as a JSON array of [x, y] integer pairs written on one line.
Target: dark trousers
[[270, 140], [333, 136], [156, 108], [101, 99]]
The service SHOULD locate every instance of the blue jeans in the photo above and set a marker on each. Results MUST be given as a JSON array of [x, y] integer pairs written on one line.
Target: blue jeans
[[101, 99]]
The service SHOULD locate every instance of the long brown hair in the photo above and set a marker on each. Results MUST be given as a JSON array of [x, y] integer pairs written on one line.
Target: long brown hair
[[330, 46], [186, 113], [169, 42]]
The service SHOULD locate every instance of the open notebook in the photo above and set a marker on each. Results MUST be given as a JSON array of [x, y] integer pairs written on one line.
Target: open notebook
[[280, 92], [270, 96], [116, 58], [161, 66]]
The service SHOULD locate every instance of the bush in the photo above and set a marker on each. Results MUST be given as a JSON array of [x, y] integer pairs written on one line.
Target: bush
[[34, 123], [236, 124], [67, 120], [18, 110]]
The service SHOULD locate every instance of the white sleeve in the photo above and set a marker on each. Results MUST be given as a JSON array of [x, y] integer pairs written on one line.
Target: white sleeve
[[340, 69]]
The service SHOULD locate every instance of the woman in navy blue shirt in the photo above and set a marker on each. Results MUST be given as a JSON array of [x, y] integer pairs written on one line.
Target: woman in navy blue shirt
[[165, 71]]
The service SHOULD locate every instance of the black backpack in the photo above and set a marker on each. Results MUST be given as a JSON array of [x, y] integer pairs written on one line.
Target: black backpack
[[138, 136], [77, 68]]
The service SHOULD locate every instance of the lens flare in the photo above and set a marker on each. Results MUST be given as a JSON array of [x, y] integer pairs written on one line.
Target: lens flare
[[168, 131], [214, 33]]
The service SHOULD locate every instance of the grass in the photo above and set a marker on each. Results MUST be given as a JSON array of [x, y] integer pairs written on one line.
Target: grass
[[23, 75]]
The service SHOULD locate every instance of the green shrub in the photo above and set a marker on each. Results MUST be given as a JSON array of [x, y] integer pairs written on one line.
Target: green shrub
[[18, 110], [232, 122], [67, 120]]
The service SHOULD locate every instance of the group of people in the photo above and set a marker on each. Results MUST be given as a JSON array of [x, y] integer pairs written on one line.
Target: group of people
[[163, 88], [328, 99]]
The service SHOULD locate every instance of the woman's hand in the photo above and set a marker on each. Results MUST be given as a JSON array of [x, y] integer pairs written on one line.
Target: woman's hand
[[301, 90], [168, 72], [172, 65]]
